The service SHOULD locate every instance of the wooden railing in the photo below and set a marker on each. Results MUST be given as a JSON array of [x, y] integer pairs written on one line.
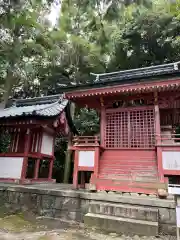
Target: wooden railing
[[86, 141], [169, 139]]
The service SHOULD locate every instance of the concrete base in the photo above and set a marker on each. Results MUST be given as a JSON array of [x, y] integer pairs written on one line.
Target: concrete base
[[123, 218], [124, 211], [60, 201], [121, 225]]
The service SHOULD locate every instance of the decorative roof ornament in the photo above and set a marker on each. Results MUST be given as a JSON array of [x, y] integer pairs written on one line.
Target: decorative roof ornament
[[177, 66], [97, 76]]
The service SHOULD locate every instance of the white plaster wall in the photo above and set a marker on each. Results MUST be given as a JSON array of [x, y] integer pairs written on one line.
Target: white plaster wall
[[171, 160], [47, 144], [11, 167], [86, 158]]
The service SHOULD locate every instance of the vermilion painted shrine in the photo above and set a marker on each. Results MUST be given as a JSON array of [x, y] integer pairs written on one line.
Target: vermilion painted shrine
[[139, 147], [32, 125]]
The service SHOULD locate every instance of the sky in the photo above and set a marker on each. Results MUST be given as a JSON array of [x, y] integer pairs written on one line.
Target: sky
[[55, 8]]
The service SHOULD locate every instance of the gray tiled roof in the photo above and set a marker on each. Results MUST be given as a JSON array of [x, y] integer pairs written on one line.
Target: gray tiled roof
[[145, 72], [102, 80], [43, 106]]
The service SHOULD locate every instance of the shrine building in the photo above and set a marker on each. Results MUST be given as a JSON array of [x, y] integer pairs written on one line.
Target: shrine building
[[31, 125], [139, 145]]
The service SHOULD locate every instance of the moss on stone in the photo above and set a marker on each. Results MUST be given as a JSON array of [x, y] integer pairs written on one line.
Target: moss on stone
[[3, 211], [16, 223]]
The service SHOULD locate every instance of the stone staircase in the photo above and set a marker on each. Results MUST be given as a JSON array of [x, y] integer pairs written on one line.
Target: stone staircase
[[122, 218]]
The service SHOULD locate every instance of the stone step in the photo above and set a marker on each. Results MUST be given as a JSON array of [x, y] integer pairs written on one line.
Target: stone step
[[124, 210], [121, 225]]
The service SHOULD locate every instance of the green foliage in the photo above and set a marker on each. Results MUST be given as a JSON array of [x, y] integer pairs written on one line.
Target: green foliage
[[150, 37], [87, 121], [4, 141]]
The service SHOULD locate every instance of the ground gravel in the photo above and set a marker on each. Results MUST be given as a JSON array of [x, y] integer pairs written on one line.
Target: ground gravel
[[73, 234]]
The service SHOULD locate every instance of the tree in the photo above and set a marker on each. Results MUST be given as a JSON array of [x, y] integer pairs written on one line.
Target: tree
[[23, 39], [150, 37]]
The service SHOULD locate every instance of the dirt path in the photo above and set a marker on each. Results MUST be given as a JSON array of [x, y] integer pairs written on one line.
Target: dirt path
[[26, 227]]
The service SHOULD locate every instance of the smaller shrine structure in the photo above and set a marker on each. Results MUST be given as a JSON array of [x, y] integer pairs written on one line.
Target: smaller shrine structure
[[31, 126]]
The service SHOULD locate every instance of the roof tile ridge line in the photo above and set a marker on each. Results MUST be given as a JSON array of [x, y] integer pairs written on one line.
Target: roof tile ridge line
[[50, 105], [4, 109], [24, 99], [135, 69]]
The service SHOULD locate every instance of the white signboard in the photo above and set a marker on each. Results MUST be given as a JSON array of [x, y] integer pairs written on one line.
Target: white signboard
[[86, 158], [171, 160], [47, 144], [11, 167], [174, 190], [178, 216]]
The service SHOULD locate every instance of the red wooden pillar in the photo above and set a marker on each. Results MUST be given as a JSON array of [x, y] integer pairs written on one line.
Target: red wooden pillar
[[26, 151], [75, 173], [96, 161], [37, 164], [36, 170], [103, 126], [158, 139], [51, 164]]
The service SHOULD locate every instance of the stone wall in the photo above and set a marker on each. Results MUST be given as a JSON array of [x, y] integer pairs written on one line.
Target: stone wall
[[73, 205]]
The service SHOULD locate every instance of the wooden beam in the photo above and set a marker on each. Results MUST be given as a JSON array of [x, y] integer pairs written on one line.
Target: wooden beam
[[158, 137]]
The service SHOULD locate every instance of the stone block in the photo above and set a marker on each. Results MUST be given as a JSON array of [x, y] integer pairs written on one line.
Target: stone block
[[162, 193], [48, 201], [133, 194], [47, 212], [167, 229], [71, 203], [13, 197], [30, 202], [84, 205], [126, 194], [59, 202], [121, 225], [3, 197], [35, 200], [172, 215], [67, 215], [164, 215], [124, 210]]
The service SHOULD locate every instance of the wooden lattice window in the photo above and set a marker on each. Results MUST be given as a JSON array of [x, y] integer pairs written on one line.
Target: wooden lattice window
[[130, 128]]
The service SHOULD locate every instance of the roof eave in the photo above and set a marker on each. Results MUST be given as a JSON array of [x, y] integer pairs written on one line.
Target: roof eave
[[137, 87]]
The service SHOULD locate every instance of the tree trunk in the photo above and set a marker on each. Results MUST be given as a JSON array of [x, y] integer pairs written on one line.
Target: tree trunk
[[8, 87], [67, 168]]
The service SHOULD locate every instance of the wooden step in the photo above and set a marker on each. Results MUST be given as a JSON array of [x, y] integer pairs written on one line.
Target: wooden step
[[129, 177], [147, 187]]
